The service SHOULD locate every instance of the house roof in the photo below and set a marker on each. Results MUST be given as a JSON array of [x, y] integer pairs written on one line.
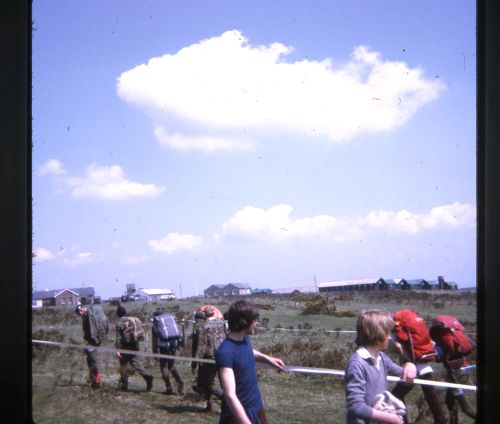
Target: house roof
[[151, 292], [216, 286], [349, 282], [416, 281], [65, 290], [238, 285]]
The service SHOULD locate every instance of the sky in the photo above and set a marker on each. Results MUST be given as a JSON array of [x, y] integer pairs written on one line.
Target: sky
[[179, 144]]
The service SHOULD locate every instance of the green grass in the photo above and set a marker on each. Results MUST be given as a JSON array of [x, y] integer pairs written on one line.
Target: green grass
[[61, 393]]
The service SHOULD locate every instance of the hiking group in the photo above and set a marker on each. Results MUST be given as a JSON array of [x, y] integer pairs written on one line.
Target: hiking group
[[221, 346]]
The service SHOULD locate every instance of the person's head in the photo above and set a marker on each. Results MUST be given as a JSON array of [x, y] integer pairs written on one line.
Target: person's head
[[80, 310], [121, 311], [373, 328], [209, 312], [242, 315], [199, 316]]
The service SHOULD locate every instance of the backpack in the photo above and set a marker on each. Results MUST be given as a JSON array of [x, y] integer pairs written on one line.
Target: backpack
[[449, 336], [167, 332], [131, 330], [412, 332], [98, 323], [212, 333]]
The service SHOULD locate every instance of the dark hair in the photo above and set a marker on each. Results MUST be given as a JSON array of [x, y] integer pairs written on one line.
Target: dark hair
[[240, 315], [121, 311], [78, 309]]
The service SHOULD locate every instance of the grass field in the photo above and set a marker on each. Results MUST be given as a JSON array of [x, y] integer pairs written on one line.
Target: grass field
[[60, 391]]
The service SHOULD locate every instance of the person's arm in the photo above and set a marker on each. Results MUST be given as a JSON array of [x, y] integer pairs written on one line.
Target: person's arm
[[228, 383], [271, 360], [386, 417]]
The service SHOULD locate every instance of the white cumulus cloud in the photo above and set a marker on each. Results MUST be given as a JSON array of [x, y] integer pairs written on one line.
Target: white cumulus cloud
[[225, 83], [276, 223], [109, 183], [42, 254], [174, 242], [52, 167]]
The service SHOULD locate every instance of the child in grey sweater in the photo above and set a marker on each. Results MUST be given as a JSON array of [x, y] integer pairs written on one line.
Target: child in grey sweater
[[368, 367]]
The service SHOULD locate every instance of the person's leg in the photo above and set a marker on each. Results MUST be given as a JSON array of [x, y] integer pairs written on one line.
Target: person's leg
[[123, 383], [165, 375], [95, 377], [175, 374], [461, 377], [400, 391], [433, 401], [137, 365]]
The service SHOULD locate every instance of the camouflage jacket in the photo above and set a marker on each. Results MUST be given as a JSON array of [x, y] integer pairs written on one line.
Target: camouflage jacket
[[211, 335]]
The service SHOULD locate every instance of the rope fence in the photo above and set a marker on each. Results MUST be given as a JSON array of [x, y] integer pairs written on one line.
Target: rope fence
[[288, 368]]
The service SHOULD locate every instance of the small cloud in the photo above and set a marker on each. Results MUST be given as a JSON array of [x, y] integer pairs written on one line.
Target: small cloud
[[78, 259], [51, 167], [42, 254], [109, 183], [174, 242], [201, 143]]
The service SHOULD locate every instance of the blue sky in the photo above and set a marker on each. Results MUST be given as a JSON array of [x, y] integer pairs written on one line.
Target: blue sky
[[185, 143]]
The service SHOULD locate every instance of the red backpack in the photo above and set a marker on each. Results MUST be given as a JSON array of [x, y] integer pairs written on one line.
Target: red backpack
[[448, 334], [412, 332]]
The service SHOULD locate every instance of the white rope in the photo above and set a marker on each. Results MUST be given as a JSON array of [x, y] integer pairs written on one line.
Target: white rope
[[288, 368]]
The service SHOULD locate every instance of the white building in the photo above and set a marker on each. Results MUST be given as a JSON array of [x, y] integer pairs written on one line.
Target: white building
[[156, 294]]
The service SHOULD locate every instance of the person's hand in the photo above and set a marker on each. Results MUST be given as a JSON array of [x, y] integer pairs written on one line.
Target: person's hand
[[277, 363], [409, 372], [119, 355]]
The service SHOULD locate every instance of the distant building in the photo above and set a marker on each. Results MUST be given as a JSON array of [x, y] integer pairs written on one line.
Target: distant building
[[63, 296], [351, 285], [230, 289], [157, 294], [296, 289], [261, 291]]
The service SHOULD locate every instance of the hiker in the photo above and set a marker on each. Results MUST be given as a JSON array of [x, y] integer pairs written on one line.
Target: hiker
[[412, 342], [199, 319], [129, 332], [166, 340], [453, 347], [211, 335], [235, 359], [95, 326], [367, 369]]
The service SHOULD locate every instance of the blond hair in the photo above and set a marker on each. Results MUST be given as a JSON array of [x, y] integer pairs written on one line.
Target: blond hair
[[373, 327]]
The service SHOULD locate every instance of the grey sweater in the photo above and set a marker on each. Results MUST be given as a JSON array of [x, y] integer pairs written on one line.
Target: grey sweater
[[363, 381]]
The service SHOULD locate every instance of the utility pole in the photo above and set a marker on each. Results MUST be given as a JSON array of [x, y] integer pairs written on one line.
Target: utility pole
[[180, 288]]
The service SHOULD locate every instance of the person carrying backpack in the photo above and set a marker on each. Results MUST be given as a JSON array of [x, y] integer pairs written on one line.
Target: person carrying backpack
[[95, 326], [413, 343], [454, 347], [129, 332], [166, 340], [211, 335], [199, 320]]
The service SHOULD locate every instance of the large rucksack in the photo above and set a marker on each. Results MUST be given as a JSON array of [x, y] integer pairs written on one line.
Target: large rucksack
[[98, 323], [211, 335], [167, 331], [449, 336], [412, 332], [131, 330]]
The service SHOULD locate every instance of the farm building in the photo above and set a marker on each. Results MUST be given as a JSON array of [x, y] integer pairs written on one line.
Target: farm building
[[296, 289], [156, 294], [350, 285], [386, 284], [62, 296], [230, 289]]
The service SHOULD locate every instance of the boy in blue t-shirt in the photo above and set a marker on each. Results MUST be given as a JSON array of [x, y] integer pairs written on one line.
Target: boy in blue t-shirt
[[367, 369], [235, 359]]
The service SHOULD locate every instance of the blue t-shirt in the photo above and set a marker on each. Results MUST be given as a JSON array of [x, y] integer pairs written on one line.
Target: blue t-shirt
[[239, 356]]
